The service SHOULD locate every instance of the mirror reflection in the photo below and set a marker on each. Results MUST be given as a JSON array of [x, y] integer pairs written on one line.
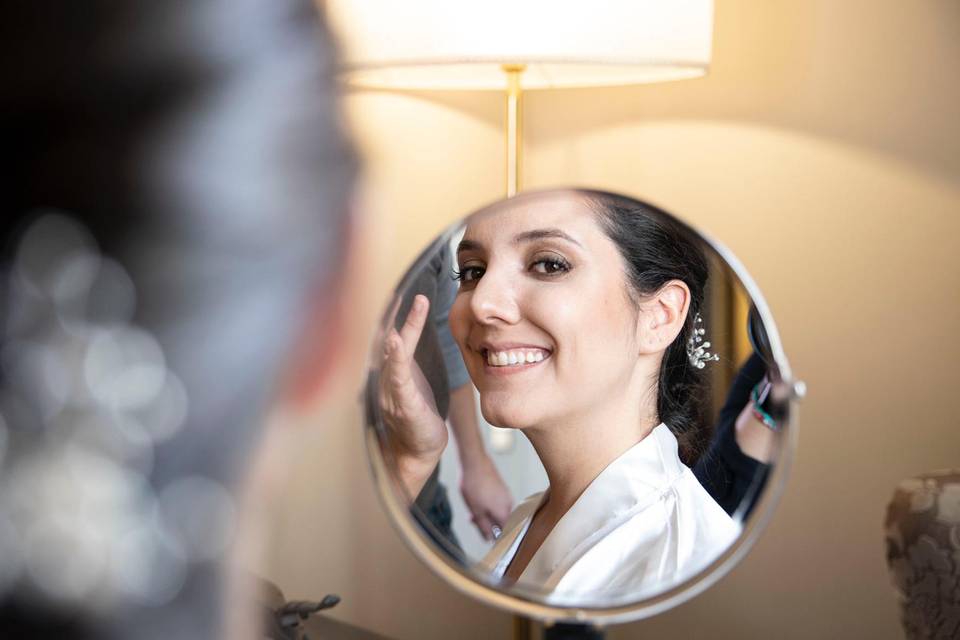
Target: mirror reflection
[[576, 398]]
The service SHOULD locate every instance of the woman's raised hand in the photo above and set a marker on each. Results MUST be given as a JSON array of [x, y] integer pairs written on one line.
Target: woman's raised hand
[[417, 433]]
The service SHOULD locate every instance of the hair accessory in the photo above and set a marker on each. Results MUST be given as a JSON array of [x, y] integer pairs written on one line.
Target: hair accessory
[[697, 348]]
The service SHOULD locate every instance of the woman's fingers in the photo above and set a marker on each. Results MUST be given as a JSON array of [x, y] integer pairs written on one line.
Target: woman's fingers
[[383, 333], [413, 325], [409, 409], [398, 366]]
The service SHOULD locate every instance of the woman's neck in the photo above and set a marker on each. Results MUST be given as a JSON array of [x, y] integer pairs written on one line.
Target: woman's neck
[[575, 450]]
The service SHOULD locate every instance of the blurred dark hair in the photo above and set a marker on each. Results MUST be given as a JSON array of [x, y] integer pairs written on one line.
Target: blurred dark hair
[[212, 121], [655, 250], [199, 143]]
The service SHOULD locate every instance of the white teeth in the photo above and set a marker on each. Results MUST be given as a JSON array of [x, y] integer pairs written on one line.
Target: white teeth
[[507, 358]]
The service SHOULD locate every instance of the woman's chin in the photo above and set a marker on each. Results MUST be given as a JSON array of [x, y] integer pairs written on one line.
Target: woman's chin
[[505, 416]]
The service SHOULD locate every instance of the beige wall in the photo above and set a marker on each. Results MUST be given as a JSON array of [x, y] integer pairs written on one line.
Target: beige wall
[[824, 149]]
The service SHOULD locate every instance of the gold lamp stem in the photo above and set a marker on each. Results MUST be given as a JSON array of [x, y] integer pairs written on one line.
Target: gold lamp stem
[[521, 625], [514, 126]]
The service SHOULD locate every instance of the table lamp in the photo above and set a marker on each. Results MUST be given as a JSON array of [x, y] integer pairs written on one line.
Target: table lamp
[[514, 45]]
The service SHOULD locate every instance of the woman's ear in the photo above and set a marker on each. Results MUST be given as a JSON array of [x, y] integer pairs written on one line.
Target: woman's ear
[[662, 317]]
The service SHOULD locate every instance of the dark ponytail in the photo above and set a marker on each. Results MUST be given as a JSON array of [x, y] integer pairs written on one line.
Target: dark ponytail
[[656, 249]]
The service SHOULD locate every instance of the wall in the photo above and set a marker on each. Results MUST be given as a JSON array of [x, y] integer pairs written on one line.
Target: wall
[[824, 149]]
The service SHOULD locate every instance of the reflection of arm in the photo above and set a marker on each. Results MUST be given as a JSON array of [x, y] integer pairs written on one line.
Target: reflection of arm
[[740, 445], [755, 439], [484, 491], [482, 487], [462, 414], [466, 430], [413, 474]]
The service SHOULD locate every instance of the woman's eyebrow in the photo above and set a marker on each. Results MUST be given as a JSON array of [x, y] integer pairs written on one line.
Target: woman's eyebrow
[[539, 234], [468, 245]]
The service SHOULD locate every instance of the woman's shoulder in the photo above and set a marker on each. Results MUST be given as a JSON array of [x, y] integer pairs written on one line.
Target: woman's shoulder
[[684, 515], [661, 544], [701, 500]]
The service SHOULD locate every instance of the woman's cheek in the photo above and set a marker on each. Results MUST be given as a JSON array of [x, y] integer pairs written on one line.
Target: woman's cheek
[[564, 310], [457, 320]]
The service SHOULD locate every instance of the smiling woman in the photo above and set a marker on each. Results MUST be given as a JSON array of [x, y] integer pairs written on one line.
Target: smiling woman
[[573, 317]]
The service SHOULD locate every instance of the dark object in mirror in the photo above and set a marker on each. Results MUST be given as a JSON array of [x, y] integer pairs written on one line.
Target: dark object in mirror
[[758, 338]]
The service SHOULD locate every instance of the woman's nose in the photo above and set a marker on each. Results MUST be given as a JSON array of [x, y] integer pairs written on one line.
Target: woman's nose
[[494, 299]]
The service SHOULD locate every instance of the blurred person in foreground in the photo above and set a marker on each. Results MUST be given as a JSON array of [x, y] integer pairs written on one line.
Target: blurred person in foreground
[[175, 189]]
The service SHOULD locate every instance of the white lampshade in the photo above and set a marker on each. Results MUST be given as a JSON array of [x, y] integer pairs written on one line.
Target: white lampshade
[[463, 44]]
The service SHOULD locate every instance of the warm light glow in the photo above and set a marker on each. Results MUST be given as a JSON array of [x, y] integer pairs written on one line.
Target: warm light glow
[[437, 44]]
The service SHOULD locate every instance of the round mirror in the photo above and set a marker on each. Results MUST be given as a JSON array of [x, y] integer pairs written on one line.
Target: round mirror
[[578, 407]]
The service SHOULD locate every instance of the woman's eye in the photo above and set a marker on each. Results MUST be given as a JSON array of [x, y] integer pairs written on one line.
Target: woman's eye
[[468, 274], [550, 266]]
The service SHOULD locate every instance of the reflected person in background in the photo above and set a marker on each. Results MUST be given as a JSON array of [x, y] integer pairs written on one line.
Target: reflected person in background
[[573, 317], [735, 466], [175, 217], [438, 357]]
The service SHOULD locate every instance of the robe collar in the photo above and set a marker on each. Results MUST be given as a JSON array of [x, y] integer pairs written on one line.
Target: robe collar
[[633, 481]]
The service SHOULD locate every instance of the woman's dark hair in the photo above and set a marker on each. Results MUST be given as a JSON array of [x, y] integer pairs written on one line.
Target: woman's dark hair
[[196, 148], [656, 249]]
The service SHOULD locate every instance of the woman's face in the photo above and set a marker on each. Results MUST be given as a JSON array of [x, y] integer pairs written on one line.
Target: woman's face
[[543, 317]]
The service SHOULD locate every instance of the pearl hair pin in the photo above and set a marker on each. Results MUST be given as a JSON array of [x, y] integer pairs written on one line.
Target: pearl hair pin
[[697, 348]]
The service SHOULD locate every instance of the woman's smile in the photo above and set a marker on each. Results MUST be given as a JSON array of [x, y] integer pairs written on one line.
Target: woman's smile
[[505, 361]]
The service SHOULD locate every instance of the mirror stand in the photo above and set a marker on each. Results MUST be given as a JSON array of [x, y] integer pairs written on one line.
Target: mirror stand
[[573, 631]]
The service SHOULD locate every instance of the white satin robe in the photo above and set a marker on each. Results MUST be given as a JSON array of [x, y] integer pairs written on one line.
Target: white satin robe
[[643, 524]]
